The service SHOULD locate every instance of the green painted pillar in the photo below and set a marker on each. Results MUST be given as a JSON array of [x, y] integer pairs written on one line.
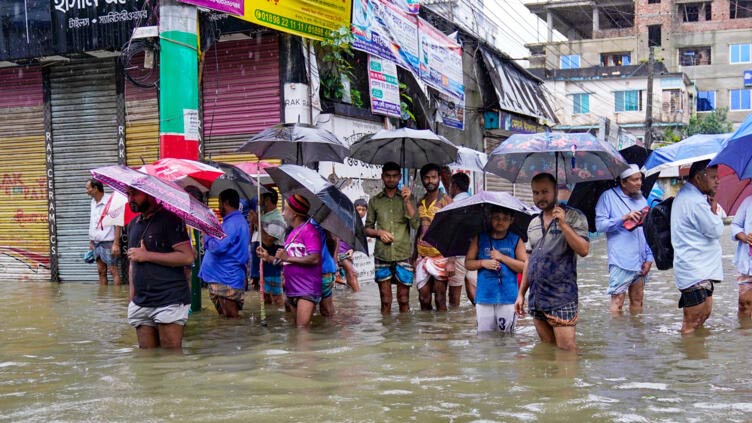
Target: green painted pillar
[[178, 97]]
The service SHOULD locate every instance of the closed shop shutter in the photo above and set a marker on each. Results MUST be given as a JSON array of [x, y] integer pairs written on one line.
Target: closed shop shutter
[[141, 121], [494, 183], [84, 136], [240, 94], [24, 234]]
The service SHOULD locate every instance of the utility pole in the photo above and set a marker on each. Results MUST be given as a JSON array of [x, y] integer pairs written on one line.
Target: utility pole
[[649, 105], [179, 124]]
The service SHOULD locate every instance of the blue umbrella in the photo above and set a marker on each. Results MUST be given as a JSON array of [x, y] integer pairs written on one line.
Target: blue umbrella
[[693, 149], [738, 151], [454, 225]]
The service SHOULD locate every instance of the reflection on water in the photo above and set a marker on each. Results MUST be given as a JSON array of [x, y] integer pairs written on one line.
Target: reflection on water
[[68, 355]]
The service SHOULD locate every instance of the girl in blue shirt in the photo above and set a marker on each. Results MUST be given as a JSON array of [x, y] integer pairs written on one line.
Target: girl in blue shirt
[[499, 256]]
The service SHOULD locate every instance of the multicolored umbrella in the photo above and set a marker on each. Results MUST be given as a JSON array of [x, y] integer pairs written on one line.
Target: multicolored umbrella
[[738, 151], [454, 225], [685, 152], [731, 190], [571, 158], [297, 143], [171, 196], [410, 148], [184, 173], [329, 206]]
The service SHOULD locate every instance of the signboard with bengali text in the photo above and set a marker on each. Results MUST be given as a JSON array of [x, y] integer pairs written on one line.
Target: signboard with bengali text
[[384, 87]]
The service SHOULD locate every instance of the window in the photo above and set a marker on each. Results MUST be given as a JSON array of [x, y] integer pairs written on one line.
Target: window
[[570, 62], [694, 56], [673, 101], [581, 103], [654, 1], [628, 101], [695, 12], [654, 35], [705, 101], [740, 100], [739, 9], [689, 12], [739, 53], [616, 59]]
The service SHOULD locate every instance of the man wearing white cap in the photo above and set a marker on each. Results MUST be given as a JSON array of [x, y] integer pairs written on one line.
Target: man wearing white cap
[[618, 213]]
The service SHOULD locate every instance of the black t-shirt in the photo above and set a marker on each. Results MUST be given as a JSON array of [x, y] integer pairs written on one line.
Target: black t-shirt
[[156, 285]]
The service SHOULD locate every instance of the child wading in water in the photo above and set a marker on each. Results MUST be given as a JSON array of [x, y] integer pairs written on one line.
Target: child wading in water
[[499, 256]]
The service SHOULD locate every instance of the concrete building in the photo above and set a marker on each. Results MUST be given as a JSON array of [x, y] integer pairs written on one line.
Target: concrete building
[[707, 40]]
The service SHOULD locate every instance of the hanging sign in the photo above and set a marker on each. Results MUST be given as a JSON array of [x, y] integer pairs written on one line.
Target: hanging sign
[[384, 87]]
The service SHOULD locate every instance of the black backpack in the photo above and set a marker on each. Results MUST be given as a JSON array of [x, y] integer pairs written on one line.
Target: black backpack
[[657, 228]]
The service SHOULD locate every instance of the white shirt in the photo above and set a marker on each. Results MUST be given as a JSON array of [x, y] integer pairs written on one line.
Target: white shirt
[[99, 234], [696, 237]]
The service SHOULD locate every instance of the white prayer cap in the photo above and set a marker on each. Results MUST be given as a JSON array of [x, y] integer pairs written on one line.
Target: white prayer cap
[[631, 170]]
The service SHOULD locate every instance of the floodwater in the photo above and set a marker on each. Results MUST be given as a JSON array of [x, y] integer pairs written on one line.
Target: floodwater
[[67, 354]]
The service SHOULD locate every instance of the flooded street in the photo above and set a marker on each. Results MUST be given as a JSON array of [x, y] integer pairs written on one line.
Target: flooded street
[[67, 354]]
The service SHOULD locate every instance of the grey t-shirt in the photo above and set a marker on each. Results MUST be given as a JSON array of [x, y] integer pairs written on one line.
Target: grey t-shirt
[[552, 265]]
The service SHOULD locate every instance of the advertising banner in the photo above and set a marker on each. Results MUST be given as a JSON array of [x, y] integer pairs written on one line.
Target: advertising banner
[[440, 61], [384, 87], [452, 111], [383, 30], [233, 7], [313, 19]]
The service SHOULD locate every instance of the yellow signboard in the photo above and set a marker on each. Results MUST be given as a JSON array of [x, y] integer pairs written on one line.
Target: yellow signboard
[[307, 18]]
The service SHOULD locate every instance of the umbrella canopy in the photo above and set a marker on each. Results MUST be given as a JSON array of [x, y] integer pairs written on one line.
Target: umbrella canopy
[[454, 225], [329, 206], [184, 173], [171, 196], [298, 143], [738, 151], [234, 178], [689, 150], [571, 158], [585, 195], [410, 148], [469, 159], [731, 190], [257, 170]]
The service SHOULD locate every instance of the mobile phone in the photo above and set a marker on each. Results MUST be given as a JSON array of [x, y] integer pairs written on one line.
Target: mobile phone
[[399, 186]]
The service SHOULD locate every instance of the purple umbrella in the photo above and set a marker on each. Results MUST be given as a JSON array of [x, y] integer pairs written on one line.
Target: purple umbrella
[[454, 225], [171, 196]]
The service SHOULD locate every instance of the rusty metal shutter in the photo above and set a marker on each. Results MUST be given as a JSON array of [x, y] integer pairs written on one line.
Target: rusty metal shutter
[[495, 183], [24, 234], [240, 94], [141, 122], [84, 136]]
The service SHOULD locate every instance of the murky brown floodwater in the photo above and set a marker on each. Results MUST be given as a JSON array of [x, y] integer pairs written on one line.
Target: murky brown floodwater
[[67, 354]]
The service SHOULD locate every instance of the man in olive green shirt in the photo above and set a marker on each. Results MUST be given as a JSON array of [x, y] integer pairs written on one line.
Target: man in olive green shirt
[[391, 214]]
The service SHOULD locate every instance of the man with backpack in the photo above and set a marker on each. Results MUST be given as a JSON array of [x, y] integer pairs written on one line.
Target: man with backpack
[[696, 237], [618, 214]]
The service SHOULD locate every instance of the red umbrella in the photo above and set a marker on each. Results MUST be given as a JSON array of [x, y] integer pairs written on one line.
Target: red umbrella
[[184, 173], [732, 191]]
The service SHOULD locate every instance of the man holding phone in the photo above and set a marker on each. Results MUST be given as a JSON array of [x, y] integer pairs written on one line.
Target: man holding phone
[[617, 213]]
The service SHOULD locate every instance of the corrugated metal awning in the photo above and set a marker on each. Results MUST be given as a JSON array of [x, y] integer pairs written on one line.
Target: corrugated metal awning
[[517, 92]]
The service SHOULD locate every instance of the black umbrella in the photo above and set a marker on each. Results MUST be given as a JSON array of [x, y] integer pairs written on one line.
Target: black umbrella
[[410, 148], [454, 225], [297, 143], [329, 206], [585, 195], [234, 178]]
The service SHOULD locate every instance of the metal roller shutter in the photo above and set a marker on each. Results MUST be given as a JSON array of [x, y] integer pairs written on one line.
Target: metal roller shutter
[[240, 94], [24, 234], [84, 131], [494, 183], [141, 124]]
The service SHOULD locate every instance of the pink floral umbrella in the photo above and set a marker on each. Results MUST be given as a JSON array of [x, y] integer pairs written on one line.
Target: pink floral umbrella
[[171, 196]]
